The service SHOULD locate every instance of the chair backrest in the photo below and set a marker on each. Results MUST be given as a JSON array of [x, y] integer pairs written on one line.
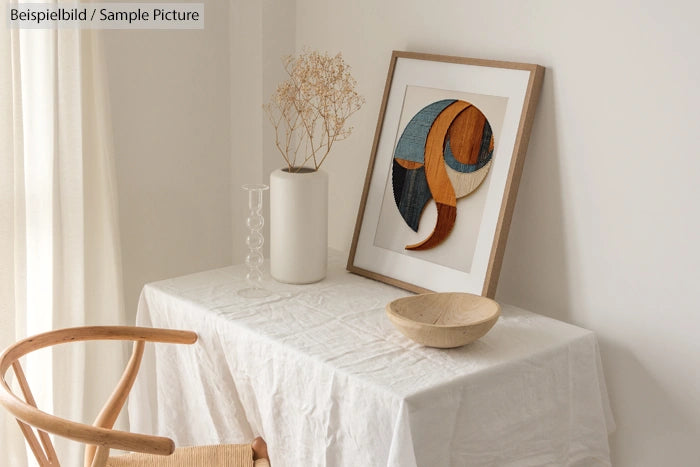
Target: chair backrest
[[99, 437]]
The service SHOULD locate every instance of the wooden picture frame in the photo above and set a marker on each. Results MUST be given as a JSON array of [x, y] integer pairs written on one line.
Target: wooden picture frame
[[450, 144]]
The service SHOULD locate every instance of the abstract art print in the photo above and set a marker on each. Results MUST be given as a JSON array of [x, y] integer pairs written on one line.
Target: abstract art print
[[451, 142], [443, 173]]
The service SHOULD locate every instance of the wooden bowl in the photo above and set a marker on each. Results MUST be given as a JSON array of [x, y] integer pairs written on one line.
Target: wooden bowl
[[443, 320]]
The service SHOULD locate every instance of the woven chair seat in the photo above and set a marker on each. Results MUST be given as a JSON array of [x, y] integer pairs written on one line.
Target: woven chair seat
[[223, 455]]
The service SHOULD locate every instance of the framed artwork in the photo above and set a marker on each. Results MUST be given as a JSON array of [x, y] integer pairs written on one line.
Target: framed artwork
[[444, 171]]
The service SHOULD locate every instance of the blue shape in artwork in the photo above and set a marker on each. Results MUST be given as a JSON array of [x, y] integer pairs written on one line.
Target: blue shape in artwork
[[411, 145], [411, 193]]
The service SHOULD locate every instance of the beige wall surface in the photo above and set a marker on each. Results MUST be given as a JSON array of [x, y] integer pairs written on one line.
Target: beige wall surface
[[261, 33], [605, 228], [170, 107]]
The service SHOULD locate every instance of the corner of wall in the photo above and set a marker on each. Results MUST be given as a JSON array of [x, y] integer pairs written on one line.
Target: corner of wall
[[261, 33], [246, 42]]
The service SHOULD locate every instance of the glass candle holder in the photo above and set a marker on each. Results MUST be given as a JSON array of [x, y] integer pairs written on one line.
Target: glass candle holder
[[255, 241]]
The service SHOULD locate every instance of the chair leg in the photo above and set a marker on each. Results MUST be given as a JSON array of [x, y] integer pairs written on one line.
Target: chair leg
[[101, 456]]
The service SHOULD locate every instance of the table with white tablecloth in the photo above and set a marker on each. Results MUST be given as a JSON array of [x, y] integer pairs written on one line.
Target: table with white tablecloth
[[320, 372]]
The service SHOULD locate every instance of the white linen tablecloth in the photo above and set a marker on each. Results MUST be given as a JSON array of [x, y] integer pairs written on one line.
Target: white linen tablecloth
[[320, 372]]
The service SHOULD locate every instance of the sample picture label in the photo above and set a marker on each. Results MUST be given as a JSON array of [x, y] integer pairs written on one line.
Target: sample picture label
[[106, 15]]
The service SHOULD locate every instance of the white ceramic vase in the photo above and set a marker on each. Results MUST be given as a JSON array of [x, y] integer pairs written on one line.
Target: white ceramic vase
[[298, 225]]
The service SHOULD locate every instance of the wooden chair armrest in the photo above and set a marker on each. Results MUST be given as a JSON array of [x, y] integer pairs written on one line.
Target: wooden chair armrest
[[84, 433], [89, 333]]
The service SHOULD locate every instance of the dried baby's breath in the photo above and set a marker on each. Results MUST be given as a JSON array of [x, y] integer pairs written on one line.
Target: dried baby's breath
[[309, 109]]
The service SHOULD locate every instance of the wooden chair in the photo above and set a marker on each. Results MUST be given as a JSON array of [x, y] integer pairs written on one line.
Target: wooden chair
[[99, 438]]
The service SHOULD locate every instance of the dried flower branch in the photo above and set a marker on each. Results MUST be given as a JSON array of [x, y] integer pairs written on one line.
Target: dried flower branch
[[310, 108]]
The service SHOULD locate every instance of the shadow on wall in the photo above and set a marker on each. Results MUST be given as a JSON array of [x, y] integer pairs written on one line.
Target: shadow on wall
[[650, 407], [535, 273]]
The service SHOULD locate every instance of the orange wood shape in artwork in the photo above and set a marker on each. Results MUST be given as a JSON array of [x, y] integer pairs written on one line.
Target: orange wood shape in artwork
[[438, 180]]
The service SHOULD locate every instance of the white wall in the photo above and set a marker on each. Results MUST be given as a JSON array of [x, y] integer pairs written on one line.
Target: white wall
[[189, 130], [605, 229], [261, 33], [171, 110], [278, 41], [246, 84]]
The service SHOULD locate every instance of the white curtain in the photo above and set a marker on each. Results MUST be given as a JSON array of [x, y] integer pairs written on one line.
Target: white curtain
[[59, 250]]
